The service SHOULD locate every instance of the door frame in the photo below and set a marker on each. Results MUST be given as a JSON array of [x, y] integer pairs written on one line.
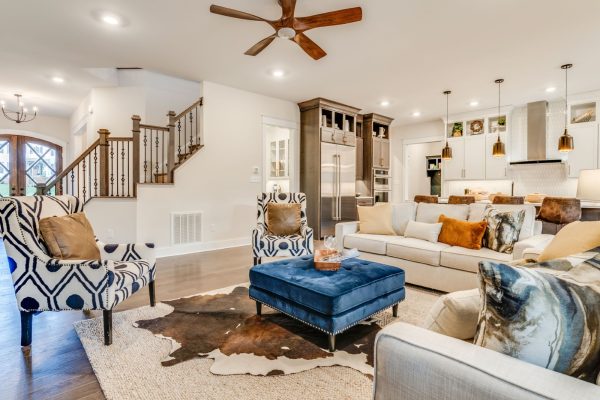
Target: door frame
[[17, 147], [405, 144], [294, 150]]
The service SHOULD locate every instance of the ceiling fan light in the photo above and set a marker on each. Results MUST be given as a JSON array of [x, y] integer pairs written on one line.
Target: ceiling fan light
[[447, 152], [566, 142], [499, 149], [286, 33]]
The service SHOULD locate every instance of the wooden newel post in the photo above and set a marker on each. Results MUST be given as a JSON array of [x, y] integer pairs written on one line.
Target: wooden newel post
[[171, 146], [40, 189], [135, 158], [103, 162]]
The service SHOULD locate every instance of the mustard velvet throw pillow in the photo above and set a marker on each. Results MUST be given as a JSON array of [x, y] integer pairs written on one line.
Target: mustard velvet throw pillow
[[576, 237], [70, 237], [376, 220], [462, 233]]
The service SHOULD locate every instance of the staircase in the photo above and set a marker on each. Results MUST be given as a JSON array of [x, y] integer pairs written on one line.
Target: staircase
[[112, 167]]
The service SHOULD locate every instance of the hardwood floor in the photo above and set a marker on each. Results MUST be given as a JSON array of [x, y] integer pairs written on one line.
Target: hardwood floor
[[56, 366]]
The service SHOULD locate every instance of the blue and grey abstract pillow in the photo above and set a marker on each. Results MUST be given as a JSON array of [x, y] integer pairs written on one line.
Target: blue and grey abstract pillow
[[503, 229], [545, 314]]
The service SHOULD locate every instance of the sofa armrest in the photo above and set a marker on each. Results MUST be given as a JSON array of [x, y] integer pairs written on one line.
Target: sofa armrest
[[413, 363], [342, 229], [535, 244], [128, 252]]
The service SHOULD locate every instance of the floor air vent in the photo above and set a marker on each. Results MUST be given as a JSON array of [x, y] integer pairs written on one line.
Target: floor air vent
[[186, 227]]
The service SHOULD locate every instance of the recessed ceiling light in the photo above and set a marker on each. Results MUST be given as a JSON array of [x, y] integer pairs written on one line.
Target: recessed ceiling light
[[278, 73], [474, 103], [416, 114], [550, 89], [111, 19], [384, 103], [58, 79]]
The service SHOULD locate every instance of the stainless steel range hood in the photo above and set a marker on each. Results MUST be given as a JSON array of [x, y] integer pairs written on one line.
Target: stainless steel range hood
[[536, 135]]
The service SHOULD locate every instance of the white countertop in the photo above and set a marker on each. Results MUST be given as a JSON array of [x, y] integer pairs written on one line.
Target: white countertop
[[584, 204]]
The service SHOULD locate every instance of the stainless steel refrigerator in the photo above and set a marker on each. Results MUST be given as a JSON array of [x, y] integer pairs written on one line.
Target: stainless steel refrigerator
[[338, 186]]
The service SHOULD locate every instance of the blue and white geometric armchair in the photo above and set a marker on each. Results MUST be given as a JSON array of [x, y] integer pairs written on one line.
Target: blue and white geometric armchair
[[265, 245], [45, 284]]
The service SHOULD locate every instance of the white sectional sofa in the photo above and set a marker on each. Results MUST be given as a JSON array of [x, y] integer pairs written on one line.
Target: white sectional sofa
[[438, 265]]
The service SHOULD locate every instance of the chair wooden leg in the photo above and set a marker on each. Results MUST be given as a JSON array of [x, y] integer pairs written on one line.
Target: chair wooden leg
[[26, 328], [257, 260], [152, 290], [258, 308], [107, 319]]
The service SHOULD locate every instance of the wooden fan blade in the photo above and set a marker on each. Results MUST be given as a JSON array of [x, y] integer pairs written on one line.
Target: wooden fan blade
[[288, 7], [310, 47], [339, 17], [229, 12], [260, 46]]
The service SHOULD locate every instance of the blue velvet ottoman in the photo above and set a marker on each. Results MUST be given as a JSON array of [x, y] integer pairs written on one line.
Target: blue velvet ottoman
[[331, 301]]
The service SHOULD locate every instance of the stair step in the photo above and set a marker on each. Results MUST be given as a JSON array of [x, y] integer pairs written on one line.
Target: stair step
[[161, 178]]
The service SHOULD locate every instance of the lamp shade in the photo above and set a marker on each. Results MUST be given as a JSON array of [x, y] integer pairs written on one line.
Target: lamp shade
[[588, 187]]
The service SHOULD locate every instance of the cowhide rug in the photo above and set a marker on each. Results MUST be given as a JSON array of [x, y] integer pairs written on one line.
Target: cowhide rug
[[225, 327]]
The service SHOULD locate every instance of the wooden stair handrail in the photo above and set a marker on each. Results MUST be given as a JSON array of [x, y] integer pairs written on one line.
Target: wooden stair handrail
[[190, 108], [71, 166]]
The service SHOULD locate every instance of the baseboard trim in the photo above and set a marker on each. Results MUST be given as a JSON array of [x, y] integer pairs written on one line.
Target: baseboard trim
[[178, 250]]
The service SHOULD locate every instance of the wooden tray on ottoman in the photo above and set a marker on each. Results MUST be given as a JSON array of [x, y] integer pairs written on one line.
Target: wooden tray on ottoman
[[326, 265]]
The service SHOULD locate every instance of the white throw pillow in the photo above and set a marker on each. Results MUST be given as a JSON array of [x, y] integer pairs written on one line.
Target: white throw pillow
[[430, 213], [423, 231], [455, 314]]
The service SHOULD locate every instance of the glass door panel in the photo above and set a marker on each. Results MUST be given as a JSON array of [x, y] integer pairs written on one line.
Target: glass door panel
[[40, 165], [5, 183]]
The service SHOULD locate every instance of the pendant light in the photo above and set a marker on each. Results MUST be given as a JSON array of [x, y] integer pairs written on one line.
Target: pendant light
[[499, 150], [447, 150], [565, 142]]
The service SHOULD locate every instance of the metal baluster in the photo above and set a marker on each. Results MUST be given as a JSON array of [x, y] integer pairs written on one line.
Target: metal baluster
[[145, 160], [72, 182], [123, 169], [117, 168], [179, 140], [89, 156], [128, 177], [151, 166], [83, 173], [197, 135], [162, 153], [157, 160], [95, 172], [185, 134], [78, 181], [112, 176], [191, 128]]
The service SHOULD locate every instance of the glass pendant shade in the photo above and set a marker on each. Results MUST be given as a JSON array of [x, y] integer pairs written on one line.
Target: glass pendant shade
[[499, 149], [566, 142], [447, 152]]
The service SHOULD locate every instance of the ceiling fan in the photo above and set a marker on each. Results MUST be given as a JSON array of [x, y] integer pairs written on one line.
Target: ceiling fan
[[292, 28]]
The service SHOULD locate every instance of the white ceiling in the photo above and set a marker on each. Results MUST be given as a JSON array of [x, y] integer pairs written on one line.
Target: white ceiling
[[405, 51]]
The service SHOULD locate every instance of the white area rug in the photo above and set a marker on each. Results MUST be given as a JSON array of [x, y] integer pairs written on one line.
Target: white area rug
[[131, 367]]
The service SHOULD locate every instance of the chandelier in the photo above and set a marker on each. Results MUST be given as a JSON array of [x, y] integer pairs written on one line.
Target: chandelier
[[21, 115]]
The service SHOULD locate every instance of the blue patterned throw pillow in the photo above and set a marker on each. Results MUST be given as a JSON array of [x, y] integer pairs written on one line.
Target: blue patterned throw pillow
[[545, 314]]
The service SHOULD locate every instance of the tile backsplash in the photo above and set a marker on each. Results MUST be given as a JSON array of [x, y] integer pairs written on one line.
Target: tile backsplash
[[549, 179]]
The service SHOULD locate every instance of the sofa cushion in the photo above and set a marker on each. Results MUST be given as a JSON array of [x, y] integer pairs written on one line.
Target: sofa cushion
[[430, 213], [376, 219], [468, 260], [416, 250], [477, 210], [455, 314], [576, 237], [401, 214], [545, 314], [367, 242]]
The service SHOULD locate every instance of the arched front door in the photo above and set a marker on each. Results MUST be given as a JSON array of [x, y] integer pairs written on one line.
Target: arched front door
[[26, 161]]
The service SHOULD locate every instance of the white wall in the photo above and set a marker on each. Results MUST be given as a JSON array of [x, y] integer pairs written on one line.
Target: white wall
[[217, 180], [114, 220], [53, 129]]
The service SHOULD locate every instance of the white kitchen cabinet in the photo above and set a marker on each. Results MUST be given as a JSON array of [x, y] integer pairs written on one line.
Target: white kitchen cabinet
[[453, 169], [474, 154], [495, 167], [585, 154]]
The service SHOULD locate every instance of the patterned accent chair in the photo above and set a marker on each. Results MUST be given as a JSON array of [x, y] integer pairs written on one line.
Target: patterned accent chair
[[45, 284], [265, 245]]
